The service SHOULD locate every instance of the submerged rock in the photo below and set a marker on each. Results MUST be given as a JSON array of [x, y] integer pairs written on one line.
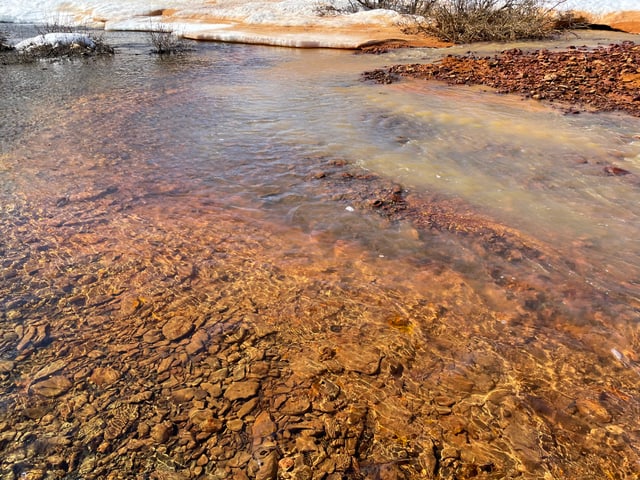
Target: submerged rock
[[52, 387], [177, 328], [104, 376], [241, 390]]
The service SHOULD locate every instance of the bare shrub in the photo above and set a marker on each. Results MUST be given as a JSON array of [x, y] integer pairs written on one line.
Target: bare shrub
[[54, 43], [58, 25], [570, 21], [328, 10], [56, 52], [413, 7], [465, 21], [4, 42], [54, 25], [164, 41]]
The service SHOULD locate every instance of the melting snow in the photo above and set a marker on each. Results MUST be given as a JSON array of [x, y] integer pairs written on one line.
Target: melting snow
[[56, 40], [225, 19]]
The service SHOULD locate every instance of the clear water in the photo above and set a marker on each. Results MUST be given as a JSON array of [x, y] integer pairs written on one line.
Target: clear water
[[118, 175]]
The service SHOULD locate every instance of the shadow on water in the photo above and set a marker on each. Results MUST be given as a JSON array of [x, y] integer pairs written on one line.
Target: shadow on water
[[246, 261]]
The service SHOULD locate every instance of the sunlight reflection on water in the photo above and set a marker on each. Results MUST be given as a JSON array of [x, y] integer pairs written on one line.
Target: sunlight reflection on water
[[212, 188]]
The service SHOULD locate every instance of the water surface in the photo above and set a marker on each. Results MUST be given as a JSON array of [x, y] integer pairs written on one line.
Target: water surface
[[224, 189]]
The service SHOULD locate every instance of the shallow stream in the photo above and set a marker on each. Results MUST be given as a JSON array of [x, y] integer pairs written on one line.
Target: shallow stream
[[176, 231]]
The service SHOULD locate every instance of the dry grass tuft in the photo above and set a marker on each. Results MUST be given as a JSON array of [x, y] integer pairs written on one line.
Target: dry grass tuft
[[4, 42], [412, 7], [54, 26], [466, 21], [165, 42]]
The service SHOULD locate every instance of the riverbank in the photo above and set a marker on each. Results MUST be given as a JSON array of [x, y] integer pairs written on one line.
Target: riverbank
[[183, 303], [358, 36], [291, 23], [596, 79]]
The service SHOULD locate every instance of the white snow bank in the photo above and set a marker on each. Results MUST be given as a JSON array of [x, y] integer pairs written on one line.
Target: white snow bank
[[217, 19], [56, 40], [281, 12], [296, 40], [599, 7]]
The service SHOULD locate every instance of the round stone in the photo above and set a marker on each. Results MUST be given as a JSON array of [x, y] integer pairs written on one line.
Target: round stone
[[52, 387], [241, 390], [104, 376], [177, 327]]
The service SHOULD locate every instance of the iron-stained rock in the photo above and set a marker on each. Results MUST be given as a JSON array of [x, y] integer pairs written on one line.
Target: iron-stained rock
[[161, 432], [241, 390], [104, 376], [52, 387], [177, 327], [355, 358]]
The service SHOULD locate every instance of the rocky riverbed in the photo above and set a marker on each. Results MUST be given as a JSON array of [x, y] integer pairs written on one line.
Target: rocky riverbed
[[149, 332], [145, 356], [603, 78]]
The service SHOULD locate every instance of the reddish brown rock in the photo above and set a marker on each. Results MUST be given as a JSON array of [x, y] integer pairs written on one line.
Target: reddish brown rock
[[52, 387], [601, 79], [241, 390], [161, 432], [198, 342], [357, 359], [263, 428], [104, 376], [183, 395], [177, 327]]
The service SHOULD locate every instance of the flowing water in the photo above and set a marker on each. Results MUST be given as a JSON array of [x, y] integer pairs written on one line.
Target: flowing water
[[191, 240]]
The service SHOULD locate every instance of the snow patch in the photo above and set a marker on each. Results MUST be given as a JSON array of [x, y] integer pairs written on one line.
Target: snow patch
[[56, 40], [214, 20], [599, 7], [282, 12]]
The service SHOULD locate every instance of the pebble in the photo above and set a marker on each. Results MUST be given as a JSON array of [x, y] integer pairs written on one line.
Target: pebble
[[235, 424], [355, 358], [183, 395], [152, 336], [263, 428], [296, 406], [104, 376], [219, 375], [177, 327], [240, 459], [241, 390], [211, 425], [34, 336], [213, 390], [52, 387], [305, 444], [56, 461], [593, 409], [161, 432], [247, 408], [198, 342], [6, 366], [269, 467]]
